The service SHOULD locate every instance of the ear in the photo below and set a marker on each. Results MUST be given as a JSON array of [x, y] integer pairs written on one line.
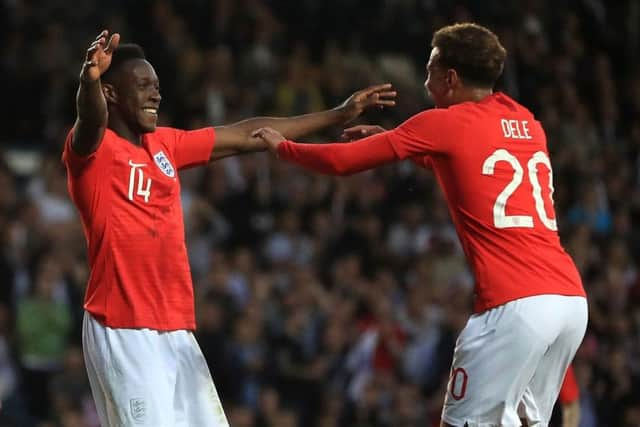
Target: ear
[[109, 93], [452, 78]]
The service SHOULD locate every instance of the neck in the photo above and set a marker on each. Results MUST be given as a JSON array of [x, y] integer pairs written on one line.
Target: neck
[[120, 127], [473, 94]]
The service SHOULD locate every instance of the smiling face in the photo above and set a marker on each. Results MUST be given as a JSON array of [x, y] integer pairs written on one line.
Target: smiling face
[[137, 95]]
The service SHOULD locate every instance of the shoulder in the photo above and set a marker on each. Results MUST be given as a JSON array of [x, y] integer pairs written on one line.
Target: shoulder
[[173, 135], [165, 134], [429, 118], [106, 146], [165, 137], [503, 102]]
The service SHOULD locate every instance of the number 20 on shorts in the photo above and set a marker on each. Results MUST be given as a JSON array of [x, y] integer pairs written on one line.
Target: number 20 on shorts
[[500, 218], [458, 383]]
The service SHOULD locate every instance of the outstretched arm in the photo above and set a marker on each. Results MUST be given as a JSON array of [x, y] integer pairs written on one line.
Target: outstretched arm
[[236, 138], [335, 158], [91, 105]]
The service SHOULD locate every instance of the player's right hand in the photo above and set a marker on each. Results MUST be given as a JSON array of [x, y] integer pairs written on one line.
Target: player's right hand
[[272, 137], [98, 56], [360, 131]]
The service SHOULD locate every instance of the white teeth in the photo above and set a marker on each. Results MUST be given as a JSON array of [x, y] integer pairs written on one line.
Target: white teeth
[[150, 110]]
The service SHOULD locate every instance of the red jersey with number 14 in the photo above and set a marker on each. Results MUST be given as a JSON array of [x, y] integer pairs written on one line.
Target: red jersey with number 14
[[491, 160], [129, 201]]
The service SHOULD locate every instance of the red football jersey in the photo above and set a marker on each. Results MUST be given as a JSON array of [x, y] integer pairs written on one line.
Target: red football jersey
[[128, 197], [491, 160]]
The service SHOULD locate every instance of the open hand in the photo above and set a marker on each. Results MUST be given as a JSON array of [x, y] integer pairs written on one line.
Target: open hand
[[374, 96], [99, 56], [272, 137], [360, 131]]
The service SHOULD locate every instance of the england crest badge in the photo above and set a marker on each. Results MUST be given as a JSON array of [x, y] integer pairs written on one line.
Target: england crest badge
[[138, 410], [164, 164]]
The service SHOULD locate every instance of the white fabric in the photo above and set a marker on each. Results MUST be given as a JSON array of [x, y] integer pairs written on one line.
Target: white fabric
[[142, 377], [510, 361]]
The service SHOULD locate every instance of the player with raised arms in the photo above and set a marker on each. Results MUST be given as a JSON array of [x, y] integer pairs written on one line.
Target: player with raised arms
[[143, 362]]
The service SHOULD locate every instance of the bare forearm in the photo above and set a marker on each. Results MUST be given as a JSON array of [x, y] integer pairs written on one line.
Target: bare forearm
[[92, 118], [294, 127], [90, 101], [91, 105], [236, 138]]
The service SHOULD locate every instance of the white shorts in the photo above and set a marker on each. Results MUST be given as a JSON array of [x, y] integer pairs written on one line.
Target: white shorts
[[510, 361], [143, 377]]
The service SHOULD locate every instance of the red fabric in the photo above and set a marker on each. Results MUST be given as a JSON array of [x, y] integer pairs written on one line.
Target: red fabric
[[569, 392], [128, 197], [459, 143], [383, 359]]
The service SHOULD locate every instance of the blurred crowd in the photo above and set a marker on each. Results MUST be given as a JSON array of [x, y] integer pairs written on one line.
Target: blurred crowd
[[328, 302]]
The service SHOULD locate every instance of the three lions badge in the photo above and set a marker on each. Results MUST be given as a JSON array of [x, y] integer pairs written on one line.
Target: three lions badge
[[164, 164]]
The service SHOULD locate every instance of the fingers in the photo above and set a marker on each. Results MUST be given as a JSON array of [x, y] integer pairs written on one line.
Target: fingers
[[90, 54], [101, 40], [357, 128], [360, 131], [98, 42], [354, 132], [388, 94], [377, 88], [114, 41], [271, 136], [103, 34], [258, 133], [95, 46], [263, 133], [381, 99]]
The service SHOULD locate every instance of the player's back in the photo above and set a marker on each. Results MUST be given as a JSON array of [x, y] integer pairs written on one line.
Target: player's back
[[497, 178]]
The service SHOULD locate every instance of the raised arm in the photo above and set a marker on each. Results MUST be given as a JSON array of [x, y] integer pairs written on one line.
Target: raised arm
[[236, 138], [91, 105]]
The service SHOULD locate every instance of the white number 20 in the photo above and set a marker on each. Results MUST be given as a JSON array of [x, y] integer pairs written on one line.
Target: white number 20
[[500, 218]]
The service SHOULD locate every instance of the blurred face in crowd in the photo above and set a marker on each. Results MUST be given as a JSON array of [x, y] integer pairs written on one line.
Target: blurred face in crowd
[[135, 95]]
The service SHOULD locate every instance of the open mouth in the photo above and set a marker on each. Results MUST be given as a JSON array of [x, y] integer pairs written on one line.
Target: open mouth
[[151, 111]]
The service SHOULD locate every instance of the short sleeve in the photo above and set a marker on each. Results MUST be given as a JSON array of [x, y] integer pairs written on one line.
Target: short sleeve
[[76, 163], [423, 134], [193, 147]]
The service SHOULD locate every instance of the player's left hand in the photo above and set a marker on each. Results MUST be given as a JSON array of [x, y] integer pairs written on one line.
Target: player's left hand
[[374, 96], [360, 131], [272, 137]]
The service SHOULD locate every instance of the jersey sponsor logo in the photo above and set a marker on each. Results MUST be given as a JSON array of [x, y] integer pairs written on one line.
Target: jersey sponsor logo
[[164, 164], [138, 409]]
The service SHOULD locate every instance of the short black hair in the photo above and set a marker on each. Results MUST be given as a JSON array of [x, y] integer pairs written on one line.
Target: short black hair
[[474, 51], [122, 54]]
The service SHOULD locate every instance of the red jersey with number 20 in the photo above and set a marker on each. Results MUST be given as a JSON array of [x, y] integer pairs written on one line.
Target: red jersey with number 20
[[128, 197], [491, 160]]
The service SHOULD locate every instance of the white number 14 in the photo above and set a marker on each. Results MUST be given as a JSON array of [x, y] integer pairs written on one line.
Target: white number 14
[[141, 191], [500, 218]]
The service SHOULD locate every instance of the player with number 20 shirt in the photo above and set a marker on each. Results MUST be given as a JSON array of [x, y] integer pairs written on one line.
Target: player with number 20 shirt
[[490, 157]]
